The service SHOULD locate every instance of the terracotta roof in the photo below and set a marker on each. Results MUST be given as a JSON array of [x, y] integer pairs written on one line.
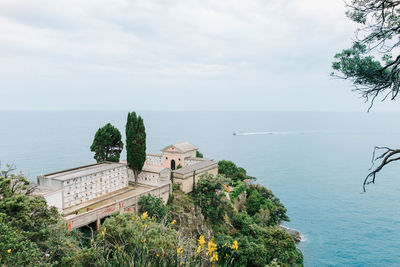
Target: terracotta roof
[[182, 147]]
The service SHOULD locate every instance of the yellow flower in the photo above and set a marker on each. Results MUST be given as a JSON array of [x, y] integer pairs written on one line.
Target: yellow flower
[[201, 240], [91, 240], [103, 233], [214, 257], [199, 249], [143, 240], [211, 248], [144, 215], [173, 222], [235, 245], [158, 255], [133, 218], [9, 251], [179, 250], [144, 225]]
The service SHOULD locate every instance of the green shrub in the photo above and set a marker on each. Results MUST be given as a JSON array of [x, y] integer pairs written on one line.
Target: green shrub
[[199, 154], [242, 221], [153, 205], [209, 195], [259, 197], [239, 189]]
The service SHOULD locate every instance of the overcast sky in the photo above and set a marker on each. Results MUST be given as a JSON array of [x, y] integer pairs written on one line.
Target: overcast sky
[[174, 55]]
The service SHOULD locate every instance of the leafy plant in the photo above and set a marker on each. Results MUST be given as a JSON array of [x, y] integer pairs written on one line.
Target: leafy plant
[[153, 206], [107, 144]]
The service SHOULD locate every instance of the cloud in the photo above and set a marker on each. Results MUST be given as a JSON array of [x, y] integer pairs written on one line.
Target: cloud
[[73, 53]]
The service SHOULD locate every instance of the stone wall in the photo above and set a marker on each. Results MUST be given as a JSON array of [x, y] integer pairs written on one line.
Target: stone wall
[[191, 161], [186, 182], [81, 189], [128, 204], [154, 160]]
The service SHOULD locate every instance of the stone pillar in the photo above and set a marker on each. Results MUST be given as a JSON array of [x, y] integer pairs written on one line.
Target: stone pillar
[[98, 223]]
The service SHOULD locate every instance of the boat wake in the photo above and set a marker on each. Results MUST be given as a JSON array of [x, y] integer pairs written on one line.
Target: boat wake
[[273, 133]]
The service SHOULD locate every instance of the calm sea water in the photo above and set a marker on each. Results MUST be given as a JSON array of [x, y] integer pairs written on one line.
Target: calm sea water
[[314, 162]]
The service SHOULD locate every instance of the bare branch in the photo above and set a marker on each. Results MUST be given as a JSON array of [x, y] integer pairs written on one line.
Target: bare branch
[[389, 155]]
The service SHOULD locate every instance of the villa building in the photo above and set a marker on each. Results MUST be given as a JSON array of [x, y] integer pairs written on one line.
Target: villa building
[[89, 193]]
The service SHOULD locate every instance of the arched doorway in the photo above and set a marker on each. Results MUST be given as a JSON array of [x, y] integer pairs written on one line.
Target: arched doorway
[[172, 164]]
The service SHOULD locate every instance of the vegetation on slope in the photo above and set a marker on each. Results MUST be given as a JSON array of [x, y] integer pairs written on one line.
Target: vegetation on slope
[[205, 228]]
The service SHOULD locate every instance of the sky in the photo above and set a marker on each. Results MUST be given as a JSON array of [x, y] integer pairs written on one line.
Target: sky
[[175, 55]]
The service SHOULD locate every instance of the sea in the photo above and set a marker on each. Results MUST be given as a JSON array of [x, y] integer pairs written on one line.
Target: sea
[[314, 162]]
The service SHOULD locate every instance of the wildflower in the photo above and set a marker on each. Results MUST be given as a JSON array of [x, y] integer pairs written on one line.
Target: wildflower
[[214, 257], [199, 249], [173, 222], [144, 225], [143, 240], [211, 248], [201, 240], [91, 240], [9, 251], [144, 215], [235, 245], [179, 250], [103, 233], [133, 218], [158, 255]]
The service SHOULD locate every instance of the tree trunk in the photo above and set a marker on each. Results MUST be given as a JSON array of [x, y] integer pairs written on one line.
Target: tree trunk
[[136, 175]]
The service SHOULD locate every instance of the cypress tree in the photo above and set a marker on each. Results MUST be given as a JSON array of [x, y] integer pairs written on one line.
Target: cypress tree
[[135, 143]]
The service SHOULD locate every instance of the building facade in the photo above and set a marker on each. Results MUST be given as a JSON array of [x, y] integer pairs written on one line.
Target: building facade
[[89, 193], [182, 164]]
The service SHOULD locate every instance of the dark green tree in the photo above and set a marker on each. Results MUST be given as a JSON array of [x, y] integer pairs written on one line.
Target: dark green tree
[[378, 36], [199, 154], [107, 144], [230, 170], [135, 143]]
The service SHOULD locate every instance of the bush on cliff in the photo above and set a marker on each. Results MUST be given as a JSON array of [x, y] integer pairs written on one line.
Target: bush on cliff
[[32, 234], [153, 205], [209, 196]]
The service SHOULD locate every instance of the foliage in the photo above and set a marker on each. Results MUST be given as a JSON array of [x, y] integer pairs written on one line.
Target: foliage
[[34, 235], [263, 246], [31, 233], [199, 154], [377, 36], [237, 190], [230, 170], [209, 195], [135, 143], [11, 183], [153, 205], [261, 200], [107, 144]]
